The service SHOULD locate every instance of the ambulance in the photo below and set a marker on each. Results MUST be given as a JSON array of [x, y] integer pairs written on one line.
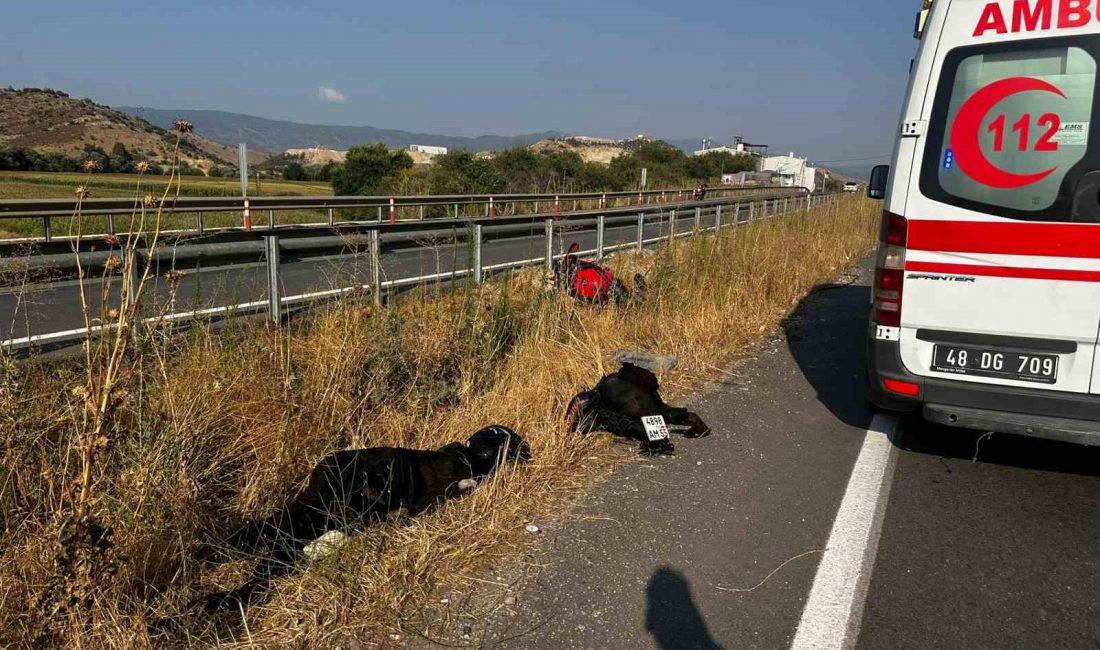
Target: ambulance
[[986, 297]]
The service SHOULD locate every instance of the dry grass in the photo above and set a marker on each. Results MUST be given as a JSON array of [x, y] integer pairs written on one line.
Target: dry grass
[[210, 429]]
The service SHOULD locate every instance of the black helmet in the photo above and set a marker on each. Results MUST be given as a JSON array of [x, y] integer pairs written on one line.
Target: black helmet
[[484, 448]]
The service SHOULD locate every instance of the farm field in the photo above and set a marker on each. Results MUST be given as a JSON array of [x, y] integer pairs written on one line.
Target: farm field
[[60, 185]]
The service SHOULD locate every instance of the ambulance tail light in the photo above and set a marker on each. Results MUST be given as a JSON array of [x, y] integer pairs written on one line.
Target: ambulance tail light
[[906, 388], [890, 270]]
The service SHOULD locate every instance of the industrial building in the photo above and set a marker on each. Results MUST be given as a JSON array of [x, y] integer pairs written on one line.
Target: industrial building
[[791, 171]]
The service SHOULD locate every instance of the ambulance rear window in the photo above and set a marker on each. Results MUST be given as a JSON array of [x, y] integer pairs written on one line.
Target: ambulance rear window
[[1010, 129]]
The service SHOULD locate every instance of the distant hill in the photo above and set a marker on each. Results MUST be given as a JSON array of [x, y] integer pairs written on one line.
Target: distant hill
[[279, 135], [51, 121], [601, 150]]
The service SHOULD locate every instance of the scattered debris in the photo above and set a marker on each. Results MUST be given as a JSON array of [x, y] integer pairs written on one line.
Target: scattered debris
[[325, 545], [652, 362], [774, 571], [533, 529], [978, 443]]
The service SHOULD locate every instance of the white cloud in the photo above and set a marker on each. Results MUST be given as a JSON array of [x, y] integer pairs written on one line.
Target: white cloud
[[326, 94]]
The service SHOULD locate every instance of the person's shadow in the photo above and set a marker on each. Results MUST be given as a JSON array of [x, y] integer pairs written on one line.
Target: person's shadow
[[671, 616]]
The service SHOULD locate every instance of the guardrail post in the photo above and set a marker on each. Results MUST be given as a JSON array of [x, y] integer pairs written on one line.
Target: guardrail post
[[47, 228], [698, 219], [718, 217], [421, 214], [200, 227], [549, 247], [599, 237], [270, 219], [376, 266], [491, 212], [110, 224], [641, 231], [331, 221], [274, 304], [379, 214], [752, 207], [671, 226], [477, 253]]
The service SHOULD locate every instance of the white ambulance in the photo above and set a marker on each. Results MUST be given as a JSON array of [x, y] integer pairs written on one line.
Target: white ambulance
[[986, 307]]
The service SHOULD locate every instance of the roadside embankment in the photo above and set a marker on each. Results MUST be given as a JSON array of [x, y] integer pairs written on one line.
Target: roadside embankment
[[213, 428]]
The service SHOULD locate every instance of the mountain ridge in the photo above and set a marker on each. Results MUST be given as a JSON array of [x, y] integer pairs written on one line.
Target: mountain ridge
[[279, 135], [51, 121]]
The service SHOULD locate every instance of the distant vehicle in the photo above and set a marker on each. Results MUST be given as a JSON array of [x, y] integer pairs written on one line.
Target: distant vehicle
[[987, 284], [851, 187]]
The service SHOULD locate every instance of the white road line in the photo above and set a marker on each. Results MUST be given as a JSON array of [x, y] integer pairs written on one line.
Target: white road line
[[831, 618]]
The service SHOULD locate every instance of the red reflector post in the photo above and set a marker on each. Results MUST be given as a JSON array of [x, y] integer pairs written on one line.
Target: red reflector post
[[902, 387]]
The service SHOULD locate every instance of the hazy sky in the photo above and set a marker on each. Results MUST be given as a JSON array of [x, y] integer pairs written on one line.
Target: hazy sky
[[823, 78]]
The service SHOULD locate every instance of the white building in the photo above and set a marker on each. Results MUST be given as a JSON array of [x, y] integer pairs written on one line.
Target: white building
[[428, 149], [792, 171], [739, 148], [746, 178]]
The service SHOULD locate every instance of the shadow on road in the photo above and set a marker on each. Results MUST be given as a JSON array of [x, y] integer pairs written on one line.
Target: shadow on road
[[827, 336], [671, 616], [998, 449]]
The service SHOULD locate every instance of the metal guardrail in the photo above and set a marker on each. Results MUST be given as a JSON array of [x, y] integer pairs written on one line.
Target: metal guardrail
[[271, 245], [47, 209]]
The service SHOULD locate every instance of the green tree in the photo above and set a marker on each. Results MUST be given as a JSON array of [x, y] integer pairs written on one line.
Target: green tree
[[459, 172], [121, 160], [518, 169], [294, 172], [367, 167]]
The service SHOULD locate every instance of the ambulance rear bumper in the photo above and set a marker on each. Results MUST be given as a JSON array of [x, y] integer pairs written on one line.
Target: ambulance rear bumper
[[1070, 417], [1082, 432]]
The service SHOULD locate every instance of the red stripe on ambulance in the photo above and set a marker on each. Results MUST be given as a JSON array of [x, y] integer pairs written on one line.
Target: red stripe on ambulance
[[999, 238], [1004, 271]]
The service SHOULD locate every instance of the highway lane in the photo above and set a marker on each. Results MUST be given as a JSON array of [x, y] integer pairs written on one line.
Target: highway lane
[[721, 546], [56, 306]]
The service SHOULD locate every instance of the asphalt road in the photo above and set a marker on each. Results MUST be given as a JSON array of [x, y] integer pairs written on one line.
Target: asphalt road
[[721, 546], [56, 306]]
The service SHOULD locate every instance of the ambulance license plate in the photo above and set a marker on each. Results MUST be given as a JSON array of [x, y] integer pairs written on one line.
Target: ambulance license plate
[[1017, 366]]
